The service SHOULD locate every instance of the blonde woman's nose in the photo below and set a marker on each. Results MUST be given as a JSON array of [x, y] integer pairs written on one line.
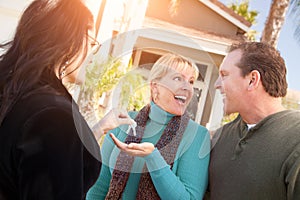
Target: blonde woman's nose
[[187, 85]]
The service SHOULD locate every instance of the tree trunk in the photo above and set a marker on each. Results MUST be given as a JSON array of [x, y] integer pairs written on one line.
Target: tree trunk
[[275, 21], [295, 8]]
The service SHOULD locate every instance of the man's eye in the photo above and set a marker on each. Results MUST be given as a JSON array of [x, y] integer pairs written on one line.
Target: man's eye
[[222, 74]]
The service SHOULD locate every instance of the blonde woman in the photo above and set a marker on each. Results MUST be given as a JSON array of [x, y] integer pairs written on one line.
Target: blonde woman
[[168, 156]]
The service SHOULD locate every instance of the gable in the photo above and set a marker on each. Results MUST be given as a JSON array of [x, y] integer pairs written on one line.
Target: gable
[[200, 15]]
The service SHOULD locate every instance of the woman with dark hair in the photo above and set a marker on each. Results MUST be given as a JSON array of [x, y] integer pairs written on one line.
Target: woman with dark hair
[[47, 150]]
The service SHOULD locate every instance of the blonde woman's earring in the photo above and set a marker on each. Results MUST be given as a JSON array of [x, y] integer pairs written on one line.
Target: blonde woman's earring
[[155, 97]]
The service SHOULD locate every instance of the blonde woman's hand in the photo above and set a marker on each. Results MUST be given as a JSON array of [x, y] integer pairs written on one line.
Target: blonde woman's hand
[[114, 118], [134, 149]]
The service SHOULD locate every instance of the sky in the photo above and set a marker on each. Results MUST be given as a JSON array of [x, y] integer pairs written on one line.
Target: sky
[[288, 46]]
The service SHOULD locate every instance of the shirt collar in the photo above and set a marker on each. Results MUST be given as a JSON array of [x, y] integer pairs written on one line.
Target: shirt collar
[[159, 115]]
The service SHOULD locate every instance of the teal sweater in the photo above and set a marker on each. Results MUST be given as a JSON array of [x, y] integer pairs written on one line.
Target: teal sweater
[[186, 180]]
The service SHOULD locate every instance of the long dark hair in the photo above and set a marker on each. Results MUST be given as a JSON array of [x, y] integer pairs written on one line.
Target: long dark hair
[[49, 33]]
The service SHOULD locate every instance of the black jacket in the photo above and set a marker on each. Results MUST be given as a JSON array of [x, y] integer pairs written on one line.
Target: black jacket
[[47, 150]]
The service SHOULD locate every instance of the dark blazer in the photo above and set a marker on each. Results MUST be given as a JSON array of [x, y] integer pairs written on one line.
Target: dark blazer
[[47, 150]]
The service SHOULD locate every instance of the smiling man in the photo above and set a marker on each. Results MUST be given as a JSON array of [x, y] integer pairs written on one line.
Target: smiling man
[[256, 156]]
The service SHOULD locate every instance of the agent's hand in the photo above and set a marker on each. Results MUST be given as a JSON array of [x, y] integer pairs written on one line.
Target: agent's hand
[[134, 149], [111, 120]]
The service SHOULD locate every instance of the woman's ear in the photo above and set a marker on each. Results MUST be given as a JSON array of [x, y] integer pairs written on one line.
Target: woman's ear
[[154, 90], [254, 79], [153, 85]]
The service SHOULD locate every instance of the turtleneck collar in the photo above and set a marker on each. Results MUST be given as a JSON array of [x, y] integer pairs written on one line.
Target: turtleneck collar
[[159, 115]]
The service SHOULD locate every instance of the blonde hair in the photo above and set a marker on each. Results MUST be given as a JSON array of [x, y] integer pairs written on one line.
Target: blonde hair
[[171, 61]]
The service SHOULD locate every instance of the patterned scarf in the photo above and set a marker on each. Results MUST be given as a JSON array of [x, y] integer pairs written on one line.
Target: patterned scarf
[[169, 142]]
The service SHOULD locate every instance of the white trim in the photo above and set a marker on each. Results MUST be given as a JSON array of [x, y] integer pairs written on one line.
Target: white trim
[[205, 86], [216, 112], [198, 43]]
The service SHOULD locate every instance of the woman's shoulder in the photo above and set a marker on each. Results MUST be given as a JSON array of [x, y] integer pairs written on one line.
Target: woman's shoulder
[[132, 114], [197, 127], [197, 132], [41, 100], [37, 104], [196, 139]]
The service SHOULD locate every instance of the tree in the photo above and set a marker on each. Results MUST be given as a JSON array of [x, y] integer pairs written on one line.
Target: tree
[[242, 9], [275, 21], [295, 6], [130, 89]]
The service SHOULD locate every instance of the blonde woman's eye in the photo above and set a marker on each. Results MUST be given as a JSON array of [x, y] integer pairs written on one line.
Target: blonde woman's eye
[[177, 78], [192, 82]]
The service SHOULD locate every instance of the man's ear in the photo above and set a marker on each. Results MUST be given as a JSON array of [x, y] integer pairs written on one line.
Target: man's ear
[[254, 79]]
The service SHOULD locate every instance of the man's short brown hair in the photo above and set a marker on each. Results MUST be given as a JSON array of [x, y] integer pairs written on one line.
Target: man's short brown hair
[[268, 61]]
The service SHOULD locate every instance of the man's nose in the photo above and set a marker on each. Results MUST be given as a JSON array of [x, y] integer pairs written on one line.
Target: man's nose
[[218, 83]]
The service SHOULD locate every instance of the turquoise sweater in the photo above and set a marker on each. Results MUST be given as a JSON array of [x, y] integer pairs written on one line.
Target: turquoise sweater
[[186, 180]]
